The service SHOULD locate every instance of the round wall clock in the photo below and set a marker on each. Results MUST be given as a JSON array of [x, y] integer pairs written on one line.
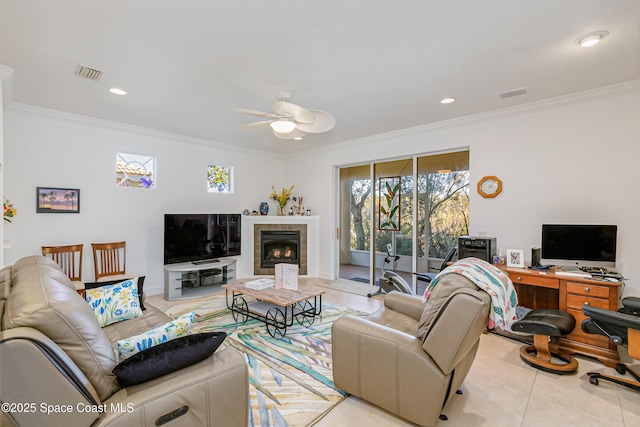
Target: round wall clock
[[489, 186]]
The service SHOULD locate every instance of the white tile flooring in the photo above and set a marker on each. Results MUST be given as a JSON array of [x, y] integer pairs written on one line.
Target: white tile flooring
[[502, 391]]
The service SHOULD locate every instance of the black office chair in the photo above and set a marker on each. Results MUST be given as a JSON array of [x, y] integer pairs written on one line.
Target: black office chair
[[622, 328], [428, 277]]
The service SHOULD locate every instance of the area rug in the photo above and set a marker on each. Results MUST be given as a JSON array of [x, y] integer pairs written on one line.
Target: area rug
[[290, 379]]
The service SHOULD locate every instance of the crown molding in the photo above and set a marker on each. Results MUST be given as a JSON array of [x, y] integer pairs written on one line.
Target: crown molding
[[6, 76], [174, 137], [5, 71], [611, 91], [620, 89]]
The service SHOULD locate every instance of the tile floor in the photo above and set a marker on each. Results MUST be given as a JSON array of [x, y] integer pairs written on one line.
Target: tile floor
[[349, 271], [500, 390]]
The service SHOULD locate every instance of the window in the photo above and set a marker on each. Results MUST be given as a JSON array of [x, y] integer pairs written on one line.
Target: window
[[394, 178], [219, 179], [443, 202], [360, 209], [134, 170], [442, 190]]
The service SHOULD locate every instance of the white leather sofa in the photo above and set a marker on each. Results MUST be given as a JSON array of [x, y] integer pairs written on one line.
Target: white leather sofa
[[56, 363]]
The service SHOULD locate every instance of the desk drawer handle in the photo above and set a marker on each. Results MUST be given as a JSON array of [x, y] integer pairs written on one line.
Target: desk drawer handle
[[586, 303], [519, 278], [587, 290]]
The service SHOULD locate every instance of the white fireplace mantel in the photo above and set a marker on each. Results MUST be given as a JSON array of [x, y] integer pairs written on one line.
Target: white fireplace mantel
[[245, 261]]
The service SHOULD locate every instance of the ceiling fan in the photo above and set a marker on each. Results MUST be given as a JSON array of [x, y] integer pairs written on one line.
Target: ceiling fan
[[291, 121]]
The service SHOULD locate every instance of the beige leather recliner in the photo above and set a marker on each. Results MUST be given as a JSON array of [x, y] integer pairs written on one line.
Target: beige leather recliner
[[380, 359], [56, 362]]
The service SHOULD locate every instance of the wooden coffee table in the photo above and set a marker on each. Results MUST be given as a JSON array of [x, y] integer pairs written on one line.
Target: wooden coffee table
[[277, 308]]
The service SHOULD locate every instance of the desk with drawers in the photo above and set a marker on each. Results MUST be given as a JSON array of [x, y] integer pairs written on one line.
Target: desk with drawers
[[549, 290]]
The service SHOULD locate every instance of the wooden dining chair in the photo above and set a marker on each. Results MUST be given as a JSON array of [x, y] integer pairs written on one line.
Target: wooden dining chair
[[109, 261], [69, 258]]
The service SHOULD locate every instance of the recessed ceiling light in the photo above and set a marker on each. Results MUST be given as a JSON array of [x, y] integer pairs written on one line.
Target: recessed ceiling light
[[298, 138], [592, 39], [447, 100], [117, 91]]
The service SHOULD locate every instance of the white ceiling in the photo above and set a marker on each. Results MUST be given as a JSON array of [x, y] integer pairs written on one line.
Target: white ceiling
[[377, 66]]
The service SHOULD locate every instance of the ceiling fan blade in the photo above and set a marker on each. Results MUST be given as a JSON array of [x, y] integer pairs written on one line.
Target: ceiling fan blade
[[254, 113], [257, 124], [291, 135], [306, 120], [299, 114], [323, 122]]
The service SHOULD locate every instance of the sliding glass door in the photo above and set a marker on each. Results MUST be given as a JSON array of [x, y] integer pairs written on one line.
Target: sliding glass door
[[443, 206], [355, 223], [393, 218], [414, 207]]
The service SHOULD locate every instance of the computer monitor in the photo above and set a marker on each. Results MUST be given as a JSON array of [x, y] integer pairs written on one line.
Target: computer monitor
[[579, 246]]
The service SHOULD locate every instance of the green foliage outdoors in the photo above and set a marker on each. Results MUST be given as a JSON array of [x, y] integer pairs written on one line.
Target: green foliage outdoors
[[443, 198]]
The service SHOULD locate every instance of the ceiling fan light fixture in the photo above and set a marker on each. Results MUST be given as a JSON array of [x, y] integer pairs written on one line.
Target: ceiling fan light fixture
[[283, 126], [291, 121]]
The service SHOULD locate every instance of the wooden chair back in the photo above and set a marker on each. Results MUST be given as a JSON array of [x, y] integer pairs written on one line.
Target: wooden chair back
[[69, 258], [109, 259]]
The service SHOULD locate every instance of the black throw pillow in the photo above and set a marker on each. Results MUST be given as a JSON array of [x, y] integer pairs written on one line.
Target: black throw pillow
[[167, 357], [93, 285]]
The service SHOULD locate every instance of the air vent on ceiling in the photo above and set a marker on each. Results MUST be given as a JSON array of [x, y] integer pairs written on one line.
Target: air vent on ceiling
[[88, 73], [515, 92]]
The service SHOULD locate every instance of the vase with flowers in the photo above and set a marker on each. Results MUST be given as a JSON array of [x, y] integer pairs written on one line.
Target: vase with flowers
[[281, 198], [9, 210]]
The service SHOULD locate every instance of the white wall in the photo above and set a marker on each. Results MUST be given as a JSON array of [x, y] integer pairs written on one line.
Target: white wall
[[6, 87], [569, 160], [47, 148]]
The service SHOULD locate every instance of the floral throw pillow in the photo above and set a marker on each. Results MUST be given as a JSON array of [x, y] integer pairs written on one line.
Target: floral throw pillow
[[174, 329], [114, 303]]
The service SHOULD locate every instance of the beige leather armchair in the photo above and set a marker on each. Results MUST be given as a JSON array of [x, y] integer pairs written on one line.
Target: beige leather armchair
[[379, 358]]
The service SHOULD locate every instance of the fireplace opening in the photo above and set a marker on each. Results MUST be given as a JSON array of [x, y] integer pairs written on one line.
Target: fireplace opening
[[279, 247]]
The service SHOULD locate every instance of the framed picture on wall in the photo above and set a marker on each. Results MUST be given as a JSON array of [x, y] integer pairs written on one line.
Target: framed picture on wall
[[515, 258], [57, 200]]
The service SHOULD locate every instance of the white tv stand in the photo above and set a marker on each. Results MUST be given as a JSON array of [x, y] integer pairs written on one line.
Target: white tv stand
[[187, 280]]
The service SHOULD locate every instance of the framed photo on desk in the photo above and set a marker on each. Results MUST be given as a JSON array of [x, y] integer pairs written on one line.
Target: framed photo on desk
[[515, 258]]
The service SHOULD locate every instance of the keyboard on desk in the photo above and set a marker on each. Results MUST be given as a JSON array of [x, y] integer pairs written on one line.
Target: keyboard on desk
[[574, 274]]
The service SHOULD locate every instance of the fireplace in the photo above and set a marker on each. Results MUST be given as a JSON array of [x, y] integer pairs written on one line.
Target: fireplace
[[277, 246], [279, 243]]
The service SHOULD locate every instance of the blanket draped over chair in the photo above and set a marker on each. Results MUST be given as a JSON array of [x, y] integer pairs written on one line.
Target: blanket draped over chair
[[490, 279]]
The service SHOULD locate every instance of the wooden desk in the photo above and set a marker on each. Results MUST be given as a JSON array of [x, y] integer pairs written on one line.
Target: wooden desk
[[539, 290]]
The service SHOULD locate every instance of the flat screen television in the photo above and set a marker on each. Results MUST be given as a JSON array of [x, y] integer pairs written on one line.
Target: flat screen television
[[200, 237], [579, 246]]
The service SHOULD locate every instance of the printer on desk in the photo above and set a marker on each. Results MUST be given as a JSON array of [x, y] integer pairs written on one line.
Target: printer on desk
[[478, 247]]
